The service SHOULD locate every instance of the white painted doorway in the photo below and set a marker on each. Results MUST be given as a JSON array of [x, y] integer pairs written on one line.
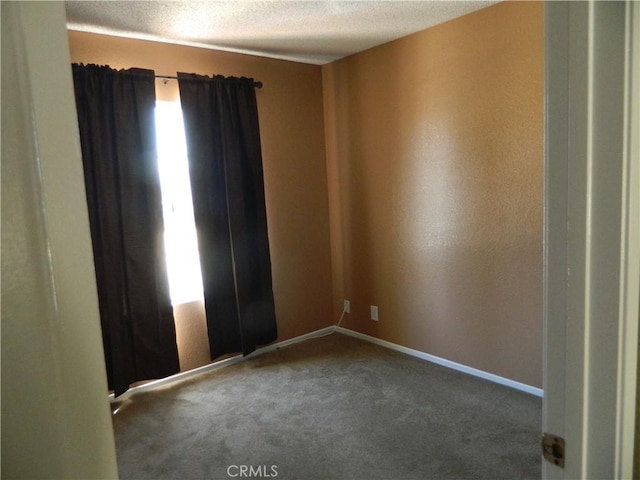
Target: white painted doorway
[[592, 235]]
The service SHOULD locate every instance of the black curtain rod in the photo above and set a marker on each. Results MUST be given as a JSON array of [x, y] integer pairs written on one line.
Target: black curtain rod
[[173, 77], [141, 71]]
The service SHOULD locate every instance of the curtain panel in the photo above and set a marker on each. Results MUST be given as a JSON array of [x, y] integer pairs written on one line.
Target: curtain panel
[[225, 167], [117, 136]]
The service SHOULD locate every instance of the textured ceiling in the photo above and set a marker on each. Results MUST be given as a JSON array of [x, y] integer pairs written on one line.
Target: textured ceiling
[[305, 31]]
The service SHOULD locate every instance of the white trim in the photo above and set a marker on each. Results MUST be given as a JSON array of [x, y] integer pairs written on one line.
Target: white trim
[[591, 306], [630, 254], [322, 333], [557, 70], [219, 364], [445, 363]]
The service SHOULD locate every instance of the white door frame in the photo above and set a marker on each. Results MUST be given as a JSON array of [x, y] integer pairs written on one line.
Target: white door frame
[[56, 421], [592, 233]]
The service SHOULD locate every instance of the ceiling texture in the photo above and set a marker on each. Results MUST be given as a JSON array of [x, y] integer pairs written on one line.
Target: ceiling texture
[[315, 32]]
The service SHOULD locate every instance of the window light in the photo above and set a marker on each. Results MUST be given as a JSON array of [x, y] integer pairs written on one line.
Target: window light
[[181, 244]]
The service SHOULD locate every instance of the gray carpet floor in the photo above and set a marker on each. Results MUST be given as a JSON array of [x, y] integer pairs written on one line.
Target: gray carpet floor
[[334, 407]]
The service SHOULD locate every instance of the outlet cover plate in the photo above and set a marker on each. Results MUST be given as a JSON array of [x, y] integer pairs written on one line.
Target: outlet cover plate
[[374, 313]]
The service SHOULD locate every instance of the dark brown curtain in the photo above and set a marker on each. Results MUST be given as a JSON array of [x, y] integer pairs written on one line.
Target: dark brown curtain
[[117, 136], [225, 166]]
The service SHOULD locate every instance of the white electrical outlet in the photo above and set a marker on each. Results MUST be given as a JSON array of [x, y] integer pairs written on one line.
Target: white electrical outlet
[[347, 306], [374, 312]]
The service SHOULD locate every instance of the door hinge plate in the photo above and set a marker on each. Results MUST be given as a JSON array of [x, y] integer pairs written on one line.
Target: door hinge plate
[[553, 449]]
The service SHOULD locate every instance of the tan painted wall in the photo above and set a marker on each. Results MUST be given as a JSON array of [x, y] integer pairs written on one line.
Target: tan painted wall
[[291, 123], [435, 165]]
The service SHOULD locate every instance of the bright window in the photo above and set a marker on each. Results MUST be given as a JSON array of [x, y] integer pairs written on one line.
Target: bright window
[[181, 244]]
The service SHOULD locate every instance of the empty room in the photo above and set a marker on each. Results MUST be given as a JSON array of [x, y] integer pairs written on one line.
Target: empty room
[[298, 240]]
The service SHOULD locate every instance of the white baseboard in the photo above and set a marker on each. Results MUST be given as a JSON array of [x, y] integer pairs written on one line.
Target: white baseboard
[[220, 364], [445, 363], [321, 333]]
